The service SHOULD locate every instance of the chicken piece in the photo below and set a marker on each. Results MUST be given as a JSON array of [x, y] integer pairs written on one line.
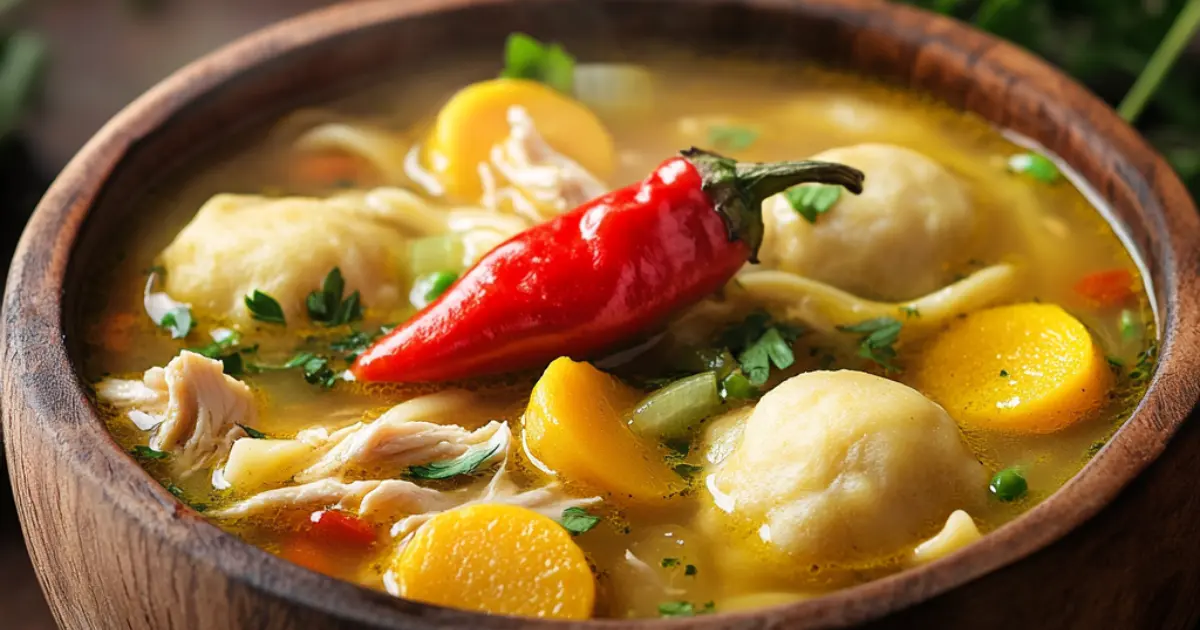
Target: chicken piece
[[395, 442], [370, 498], [548, 182], [199, 411]]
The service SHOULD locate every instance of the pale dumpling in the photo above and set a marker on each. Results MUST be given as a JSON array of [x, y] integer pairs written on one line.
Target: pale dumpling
[[283, 247], [837, 469], [897, 240]]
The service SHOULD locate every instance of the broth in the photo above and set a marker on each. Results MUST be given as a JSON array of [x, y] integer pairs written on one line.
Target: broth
[[644, 557]]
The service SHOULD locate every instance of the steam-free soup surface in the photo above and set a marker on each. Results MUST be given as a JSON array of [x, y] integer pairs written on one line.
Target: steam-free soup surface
[[905, 370]]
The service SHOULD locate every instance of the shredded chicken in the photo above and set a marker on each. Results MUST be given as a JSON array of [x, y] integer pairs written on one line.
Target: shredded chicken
[[197, 408], [549, 500], [374, 498], [547, 178], [398, 439]]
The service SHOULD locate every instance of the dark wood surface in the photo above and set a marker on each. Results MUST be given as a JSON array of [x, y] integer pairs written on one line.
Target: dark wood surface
[[116, 550]]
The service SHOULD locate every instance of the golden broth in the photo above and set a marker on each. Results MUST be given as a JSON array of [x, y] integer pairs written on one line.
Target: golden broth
[[795, 114]]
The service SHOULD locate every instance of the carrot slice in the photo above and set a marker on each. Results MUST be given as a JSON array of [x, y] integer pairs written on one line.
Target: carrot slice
[[1106, 288], [309, 554]]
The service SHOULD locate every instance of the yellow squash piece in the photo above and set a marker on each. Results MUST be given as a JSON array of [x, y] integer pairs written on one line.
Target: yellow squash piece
[[500, 559], [476, 119], [1026, 368], [575, 425]]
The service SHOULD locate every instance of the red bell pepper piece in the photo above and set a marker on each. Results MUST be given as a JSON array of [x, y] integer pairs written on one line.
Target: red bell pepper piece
[[598, 275], [339, 528], [1106, 288]]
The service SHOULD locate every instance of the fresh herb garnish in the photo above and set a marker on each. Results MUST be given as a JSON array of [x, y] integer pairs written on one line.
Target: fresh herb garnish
[[1116, 364], [264, 308], [1034, 165], [669, 562], [1003, 373], [577, 520], [1095, 448], [676, 609], [316, 369], [178, 321], [145, 452], [878, 337], [759, 344], [254, 433], [527, 58], [175, 490], [910, 311], [731, 138], [223, 350], [465, 464], [679, 446], [358, 341], [687, 471], [326, 306], [690, 570], [810, 200], [1144, 367]]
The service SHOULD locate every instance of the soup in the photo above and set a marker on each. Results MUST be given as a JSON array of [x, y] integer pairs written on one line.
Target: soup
[[378, 339]]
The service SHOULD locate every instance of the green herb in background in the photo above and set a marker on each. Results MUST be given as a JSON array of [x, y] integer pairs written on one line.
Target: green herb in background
[[1126, 51]]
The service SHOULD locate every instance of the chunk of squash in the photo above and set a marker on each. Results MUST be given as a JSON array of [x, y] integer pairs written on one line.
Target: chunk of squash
[[575, 426], [476, 119], [500, 559], [254, 463], [1025, 368]]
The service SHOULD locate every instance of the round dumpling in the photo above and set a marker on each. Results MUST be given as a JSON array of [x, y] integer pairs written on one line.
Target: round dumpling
[[840, 469], [898, 240], [283, 247]]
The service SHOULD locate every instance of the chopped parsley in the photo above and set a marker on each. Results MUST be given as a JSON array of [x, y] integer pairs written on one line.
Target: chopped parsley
[[175, 490], [759, 344], [690, 570], [178, 321], [145, 452], [879, 335], [315, 367], [669, 562], [910, 311], [358, 341], [254, 433], [1034, 165], [1095, 448], [223, 350], [687, 471], [731, 138], [264, 308], [1144, 367], [528, 58], [465, 464], [684, 609], [326, 306], [577, 520], [1003, 373], [811, 200], [1116, 364]]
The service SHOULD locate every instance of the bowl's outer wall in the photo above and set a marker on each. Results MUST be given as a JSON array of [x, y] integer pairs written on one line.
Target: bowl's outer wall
[[115, 550]]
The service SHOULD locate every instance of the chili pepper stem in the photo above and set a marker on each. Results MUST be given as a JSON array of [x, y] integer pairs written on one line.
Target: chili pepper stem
[[738, 189]]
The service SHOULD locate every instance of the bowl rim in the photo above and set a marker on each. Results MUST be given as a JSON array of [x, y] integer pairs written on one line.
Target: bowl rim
[[40, 270]]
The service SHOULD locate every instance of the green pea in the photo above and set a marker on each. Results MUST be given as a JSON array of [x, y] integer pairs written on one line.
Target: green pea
[[430, 286], [1008, 485]]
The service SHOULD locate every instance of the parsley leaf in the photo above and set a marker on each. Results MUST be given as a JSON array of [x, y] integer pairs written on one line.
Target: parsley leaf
[[264, 308], [527, 58], [731, 138], [1036, 166], [465, 464], [316, 369], [878, 337], [577, 520], [669, 562], [178, 321], [687, 471], [811, 200], [684, 609], [690, 570], [326, 306], [254, 433], [222, 350], [175, 490], [910, 311], [358, 341], [770, 349], [145, 452]]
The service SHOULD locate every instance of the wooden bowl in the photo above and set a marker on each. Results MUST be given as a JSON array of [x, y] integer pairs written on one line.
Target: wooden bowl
[[1113, 548]]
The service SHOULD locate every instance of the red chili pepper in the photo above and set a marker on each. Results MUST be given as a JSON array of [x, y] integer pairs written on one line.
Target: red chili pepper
[[598, 275], [1106, 288], [334, 527]]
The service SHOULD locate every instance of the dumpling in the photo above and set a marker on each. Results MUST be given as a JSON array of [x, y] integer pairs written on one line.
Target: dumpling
[[283, 247], [897, 240], [838, 469]]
